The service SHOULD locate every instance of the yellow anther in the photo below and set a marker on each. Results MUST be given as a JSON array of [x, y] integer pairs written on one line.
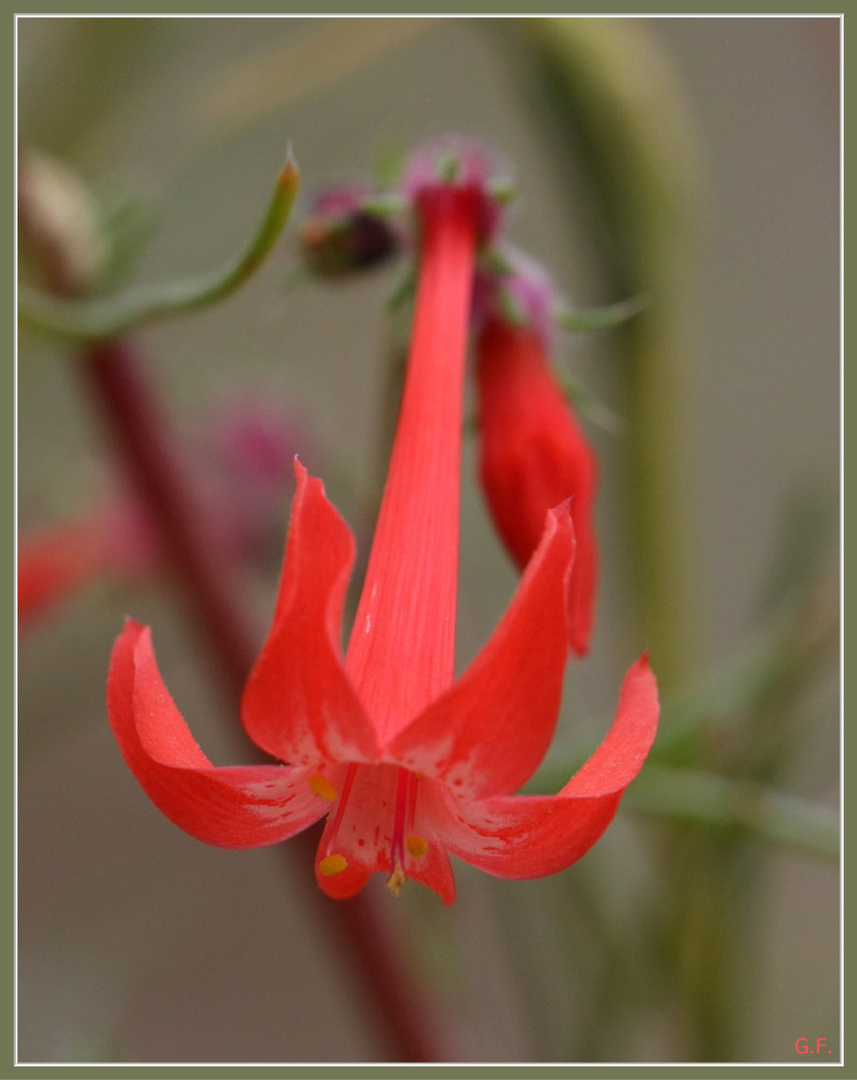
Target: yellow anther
[[417, 846], [322, 786], [333, 864]]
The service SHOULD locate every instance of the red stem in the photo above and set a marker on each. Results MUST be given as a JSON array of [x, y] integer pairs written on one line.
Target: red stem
[[140, 433], [159, 477]]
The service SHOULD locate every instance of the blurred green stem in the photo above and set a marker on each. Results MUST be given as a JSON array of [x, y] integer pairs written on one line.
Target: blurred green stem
[[739, 805]]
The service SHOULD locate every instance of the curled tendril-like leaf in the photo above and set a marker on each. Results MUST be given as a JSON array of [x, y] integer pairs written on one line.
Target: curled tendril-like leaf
[[106, 317]]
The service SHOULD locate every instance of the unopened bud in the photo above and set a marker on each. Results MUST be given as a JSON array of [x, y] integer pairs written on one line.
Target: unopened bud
[[533, 456], [60, 219], [345, 235]]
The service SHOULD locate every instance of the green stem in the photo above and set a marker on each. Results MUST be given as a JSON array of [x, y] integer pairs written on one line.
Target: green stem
[[110, 317], [740, 805], [707, 941]]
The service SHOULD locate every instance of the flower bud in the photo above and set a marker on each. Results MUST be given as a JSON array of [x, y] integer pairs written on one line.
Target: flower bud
[[60, 218], [343, 235]]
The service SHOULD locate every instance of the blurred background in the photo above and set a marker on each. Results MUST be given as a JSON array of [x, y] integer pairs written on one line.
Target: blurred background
[[136, 943]]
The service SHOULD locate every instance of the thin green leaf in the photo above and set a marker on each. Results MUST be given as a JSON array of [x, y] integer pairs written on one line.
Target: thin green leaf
[[91, 320], [728, 803], [600, 318]]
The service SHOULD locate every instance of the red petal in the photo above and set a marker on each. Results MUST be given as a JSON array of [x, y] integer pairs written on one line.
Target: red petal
[[531, 836], [299, 703], [362, 834], [360, 831], [434, 871], [239, 807], [533, 456], [488, 733]]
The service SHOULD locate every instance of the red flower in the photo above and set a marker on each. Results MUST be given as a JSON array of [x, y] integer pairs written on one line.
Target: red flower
[[57, 560], [408, 764], [533, 455], [53, 562], [253, 446]]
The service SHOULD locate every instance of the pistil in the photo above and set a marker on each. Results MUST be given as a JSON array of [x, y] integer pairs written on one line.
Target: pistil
[[397, 848]]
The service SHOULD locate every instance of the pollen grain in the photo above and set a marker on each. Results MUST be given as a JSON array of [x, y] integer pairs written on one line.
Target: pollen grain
[[332, 864], [323, 787], [417, 846]]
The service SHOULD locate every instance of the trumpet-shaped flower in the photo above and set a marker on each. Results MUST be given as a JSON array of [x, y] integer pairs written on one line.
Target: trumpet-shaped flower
[[408, 764], [533, 454]]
